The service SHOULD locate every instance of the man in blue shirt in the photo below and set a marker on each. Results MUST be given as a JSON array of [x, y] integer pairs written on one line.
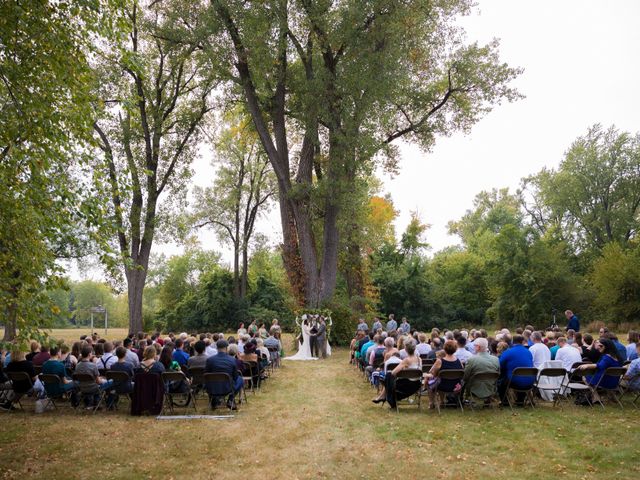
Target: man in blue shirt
[[574, 323], [404, 326], [515, 357], [179, 355]]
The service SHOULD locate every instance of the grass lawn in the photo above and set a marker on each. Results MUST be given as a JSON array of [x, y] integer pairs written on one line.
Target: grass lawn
[[316, 420]]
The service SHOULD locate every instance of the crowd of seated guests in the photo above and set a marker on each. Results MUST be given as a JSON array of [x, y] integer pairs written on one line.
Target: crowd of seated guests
[[382, 354], [139, 353]]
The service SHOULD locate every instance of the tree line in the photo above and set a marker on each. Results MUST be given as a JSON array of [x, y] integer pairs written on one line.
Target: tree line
[[106, 103]]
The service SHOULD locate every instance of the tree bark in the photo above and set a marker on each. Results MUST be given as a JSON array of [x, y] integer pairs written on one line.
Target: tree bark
[[136, 278], [10, 324]]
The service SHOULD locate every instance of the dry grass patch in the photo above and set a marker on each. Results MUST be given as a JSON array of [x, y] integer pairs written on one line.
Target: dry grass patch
[[316, 420]]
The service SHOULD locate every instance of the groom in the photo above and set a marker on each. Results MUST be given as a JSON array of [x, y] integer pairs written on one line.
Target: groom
[[313, 337], [321, 338]]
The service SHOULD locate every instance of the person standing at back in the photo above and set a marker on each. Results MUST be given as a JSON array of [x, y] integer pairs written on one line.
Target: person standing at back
[[574, 323], [392, 325]]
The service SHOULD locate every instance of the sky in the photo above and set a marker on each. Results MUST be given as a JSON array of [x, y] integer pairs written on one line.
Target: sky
[[581, 61]]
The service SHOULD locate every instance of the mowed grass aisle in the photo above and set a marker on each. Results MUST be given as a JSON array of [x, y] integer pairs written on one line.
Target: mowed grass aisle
[[316, 420]]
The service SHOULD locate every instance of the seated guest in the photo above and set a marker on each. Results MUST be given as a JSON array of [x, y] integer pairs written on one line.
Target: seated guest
[[608, 359], [423, 348], [514, 357], [211, 345], [481, 362], [223, 363], [402, 388], [263, 353], [19, 363], [539, 351], [622, 350], [65, 354], [199, 359], [448, 361], [41, 357], [567, 354], [249, 355], [632, 377], [633, 339], [34, 348], [122, 365], [179, 355], [98, 351], [86, 366], [132, 357], [364, 346], [149, 363], [554, 349], [108, 358], [462, 353], [54, 366], [376, 355], [589, 351]]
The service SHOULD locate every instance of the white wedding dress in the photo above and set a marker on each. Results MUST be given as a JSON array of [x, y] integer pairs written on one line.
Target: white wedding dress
[[304, 349]]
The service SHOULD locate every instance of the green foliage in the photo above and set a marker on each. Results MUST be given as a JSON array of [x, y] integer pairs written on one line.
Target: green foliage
[[616, 281]]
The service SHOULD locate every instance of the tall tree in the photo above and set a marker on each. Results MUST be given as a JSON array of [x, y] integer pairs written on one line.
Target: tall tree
[[241, 192], [593, 198], [331, 86], [156, 96], [45, 113]]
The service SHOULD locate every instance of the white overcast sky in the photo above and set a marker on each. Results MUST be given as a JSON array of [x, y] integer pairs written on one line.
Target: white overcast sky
[[581, 61]]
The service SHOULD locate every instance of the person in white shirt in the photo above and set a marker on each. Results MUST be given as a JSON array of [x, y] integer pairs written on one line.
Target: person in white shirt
[[211, 346], [462, 353], [567, 354], [539, 351], [108, 358], [423, 348]]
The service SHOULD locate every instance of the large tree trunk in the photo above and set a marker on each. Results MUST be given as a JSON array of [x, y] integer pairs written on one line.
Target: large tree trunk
[[10, 324], [136, 278]]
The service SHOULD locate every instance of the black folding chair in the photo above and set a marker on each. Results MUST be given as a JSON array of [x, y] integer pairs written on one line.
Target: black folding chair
[[19, 378], [253, 376], [555, 388], [616, 392], [576, 381], [482, 377], [522, 372], [120, 379], [453, 374], [414, 375], [53, 382], [175, 378], [89, 389], [219, 378], [274, 353]]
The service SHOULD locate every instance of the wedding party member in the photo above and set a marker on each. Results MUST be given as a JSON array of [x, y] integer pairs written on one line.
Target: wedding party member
[[377, 324], [402, 388], [633, 339], [321, 338], [480, 362], [539, 351], [405, 328], [241, 330], [447, 362], [223, 363], [362, 325], [392, 325], [262, 331]]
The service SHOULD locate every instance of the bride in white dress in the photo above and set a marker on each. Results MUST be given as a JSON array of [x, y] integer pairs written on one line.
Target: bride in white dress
[[304, 349]]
